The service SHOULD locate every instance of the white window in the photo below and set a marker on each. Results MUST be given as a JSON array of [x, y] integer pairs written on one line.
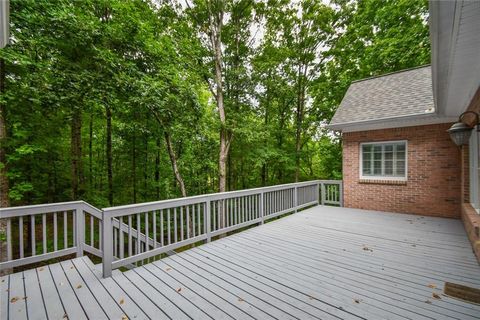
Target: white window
[[383, 160]]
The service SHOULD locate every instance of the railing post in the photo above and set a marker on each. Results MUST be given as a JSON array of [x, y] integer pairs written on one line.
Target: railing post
[[322, 194], [340, 191], [261, 208], [80, 232], [295, 198], [208, 220], [107, 245]]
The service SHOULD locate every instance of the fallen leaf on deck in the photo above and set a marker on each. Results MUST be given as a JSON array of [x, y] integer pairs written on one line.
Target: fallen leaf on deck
[[240, 300], [65, 316], [79, 286], [122, 301], [24, 298], [71, 267], [41, 269], [3, 280], [179, 289], [124, 317], [428, 301], [14, 299], [432, 286], [357, 300], [365, 248], [436, 296], [168, 269]]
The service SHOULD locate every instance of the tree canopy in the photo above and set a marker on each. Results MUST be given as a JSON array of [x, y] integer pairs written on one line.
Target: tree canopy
[[115, 101]]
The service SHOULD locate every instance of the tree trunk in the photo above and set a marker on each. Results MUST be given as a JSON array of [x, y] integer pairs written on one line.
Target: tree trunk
[[76, 153], [216, 42], [4, 186], [157, 170], [145, 169], [134, 167], [264, 172], [108, 114], [299, 118], [173, 160], [90, 153]]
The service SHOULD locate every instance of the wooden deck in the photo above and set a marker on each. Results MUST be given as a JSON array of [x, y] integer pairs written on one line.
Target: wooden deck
[[321, 263]]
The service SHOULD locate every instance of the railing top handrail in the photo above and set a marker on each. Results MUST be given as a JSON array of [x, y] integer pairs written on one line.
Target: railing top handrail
[[130, 208], [48, 207], [205, 197]]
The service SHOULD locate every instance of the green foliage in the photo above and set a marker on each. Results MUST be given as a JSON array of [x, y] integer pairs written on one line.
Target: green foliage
[[286, 67]]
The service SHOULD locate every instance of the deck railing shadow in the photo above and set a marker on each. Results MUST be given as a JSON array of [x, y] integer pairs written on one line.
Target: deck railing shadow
[[123, 236]]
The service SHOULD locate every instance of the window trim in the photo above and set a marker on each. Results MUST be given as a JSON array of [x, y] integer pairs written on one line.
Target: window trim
[[383, 178]]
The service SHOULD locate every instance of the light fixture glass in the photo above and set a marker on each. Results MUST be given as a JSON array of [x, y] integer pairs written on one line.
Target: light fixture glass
[[460, 133]]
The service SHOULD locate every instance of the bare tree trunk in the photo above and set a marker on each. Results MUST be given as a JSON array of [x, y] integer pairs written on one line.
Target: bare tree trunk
[[299, 119], [216, 42], [145, 169], [173, 160], [157, 170], [134, 167], [108, 113], [90, 153], [4, 186], [76, 153]]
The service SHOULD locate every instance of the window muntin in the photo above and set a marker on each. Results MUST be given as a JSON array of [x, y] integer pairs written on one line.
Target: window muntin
[[384, 160]]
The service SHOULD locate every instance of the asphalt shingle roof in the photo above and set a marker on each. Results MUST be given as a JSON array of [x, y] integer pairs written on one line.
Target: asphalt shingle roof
[[403, 93]]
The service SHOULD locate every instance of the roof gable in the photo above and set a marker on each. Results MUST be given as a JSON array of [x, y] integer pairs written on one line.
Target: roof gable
[[400, 94]]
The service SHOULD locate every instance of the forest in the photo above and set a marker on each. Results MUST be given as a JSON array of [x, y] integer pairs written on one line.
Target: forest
[[117, 102]]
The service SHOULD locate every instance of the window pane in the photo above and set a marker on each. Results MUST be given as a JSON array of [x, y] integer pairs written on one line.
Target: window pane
[[366, 168], [377, 167], [400, 168], [388, 167]]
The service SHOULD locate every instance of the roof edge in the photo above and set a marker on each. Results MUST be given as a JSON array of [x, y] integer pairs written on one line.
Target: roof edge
[[368, 121], [390, 73], [391, 122]]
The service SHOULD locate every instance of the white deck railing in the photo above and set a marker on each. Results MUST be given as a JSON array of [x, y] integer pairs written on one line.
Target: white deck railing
[[64, 236], [125, 235]]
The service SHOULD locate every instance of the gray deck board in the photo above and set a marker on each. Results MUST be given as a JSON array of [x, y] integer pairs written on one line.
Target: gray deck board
[[154, 293], [4, 301], [50, 295], [321, 263], [231, 307], [35, 307], [70, 302], [109, 305], [18, 306], [304, 302], [341, 274], [141, 299], [246, 306], [130, 308], [298, 268], [90, 305]]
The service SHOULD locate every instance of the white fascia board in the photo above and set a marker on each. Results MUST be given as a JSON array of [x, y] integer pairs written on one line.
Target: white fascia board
[[399, 122]]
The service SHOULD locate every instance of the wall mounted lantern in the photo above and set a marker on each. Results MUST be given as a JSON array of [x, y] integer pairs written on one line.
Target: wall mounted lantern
[[460, 132]]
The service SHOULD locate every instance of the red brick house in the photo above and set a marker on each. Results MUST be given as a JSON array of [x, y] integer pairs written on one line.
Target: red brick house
[[397, 153]]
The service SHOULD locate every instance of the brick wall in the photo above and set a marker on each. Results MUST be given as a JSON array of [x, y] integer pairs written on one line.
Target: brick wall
[[471, 221], [434, 179]]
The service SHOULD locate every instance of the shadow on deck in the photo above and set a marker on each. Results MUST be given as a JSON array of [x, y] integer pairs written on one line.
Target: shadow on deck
[[323, 262]]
